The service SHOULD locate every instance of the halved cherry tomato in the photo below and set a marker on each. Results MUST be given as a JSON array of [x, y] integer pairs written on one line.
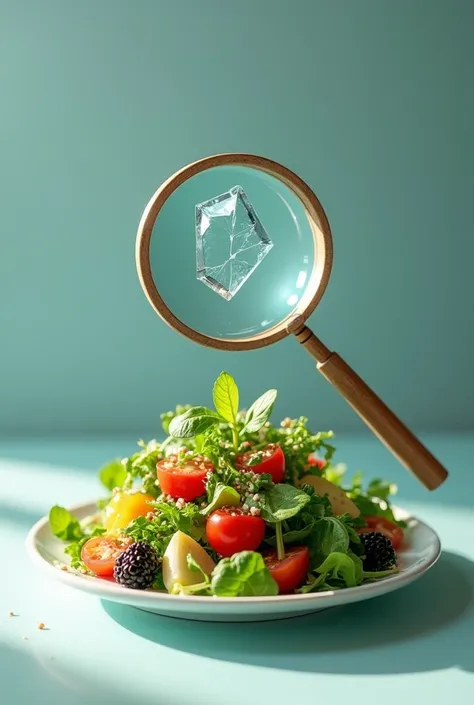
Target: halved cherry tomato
[[100, 553], [291, 571], [124, 507], [384, 526], [271, 460], [183, 479], [313, 461], [229, 531]]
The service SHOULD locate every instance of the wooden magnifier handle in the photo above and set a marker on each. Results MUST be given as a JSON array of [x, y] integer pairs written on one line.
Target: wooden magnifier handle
[[378, 417]]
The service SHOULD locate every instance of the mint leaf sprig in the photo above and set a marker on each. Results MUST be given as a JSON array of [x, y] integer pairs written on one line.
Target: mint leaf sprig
[[199, 420]]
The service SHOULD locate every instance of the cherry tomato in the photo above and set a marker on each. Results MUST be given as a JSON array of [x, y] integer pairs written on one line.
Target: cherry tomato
[[313, 461], [124, 507], [100, 553], [271, 460], [291, 571], [183, 479], [229, 531], [385, 527]]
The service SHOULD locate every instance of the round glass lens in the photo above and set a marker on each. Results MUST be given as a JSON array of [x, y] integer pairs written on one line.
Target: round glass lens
[[232, 252]]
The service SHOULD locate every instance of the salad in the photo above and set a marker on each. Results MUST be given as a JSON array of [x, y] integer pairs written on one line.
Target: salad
[[231, 505]]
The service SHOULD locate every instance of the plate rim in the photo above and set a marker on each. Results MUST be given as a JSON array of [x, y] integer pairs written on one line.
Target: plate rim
[[104, 589]]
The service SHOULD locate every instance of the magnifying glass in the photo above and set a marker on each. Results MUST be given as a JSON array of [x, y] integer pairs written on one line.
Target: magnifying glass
[[235, 251]]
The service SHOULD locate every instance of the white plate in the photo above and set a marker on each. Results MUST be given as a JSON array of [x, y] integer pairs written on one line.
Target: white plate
[[420, 553]]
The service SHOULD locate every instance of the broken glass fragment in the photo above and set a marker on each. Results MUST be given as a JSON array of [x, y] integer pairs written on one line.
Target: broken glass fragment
[[230, 242]]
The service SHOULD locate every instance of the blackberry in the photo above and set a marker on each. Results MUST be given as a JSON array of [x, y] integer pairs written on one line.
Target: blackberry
[[137, 566], [378, 552]]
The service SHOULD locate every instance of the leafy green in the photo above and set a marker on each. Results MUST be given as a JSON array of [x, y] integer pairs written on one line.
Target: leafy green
[[210, 444], [260, 411], [193, 422], [150, 485], [341, 570], [226, 401], [371, 507], [373, 501], [140, 465], [318, 506], [64, 525], [339, 566], [224, 496], [199, 421], [358, 567], [282, 502], [168, 416], [328, 535], [244, 574], [202, 588], [156, 532], [194, 566], [299, 527], [226, 397], [381, 489], [113, 475], [200, 441], [188, 519], [74, 552], [159, 529], [143, 463], [352, 524]]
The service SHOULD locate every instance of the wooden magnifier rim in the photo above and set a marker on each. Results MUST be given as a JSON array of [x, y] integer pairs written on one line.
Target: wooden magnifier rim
[[318, 221]]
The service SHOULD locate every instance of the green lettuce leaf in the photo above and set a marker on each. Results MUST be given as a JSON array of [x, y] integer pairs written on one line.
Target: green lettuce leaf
[[281, 502], [244, 574], [64, 525]]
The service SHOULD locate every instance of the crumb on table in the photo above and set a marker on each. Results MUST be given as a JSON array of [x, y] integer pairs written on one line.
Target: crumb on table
[[41, 625]]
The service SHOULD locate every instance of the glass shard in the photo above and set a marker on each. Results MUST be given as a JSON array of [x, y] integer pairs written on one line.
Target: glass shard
[[230, 242]]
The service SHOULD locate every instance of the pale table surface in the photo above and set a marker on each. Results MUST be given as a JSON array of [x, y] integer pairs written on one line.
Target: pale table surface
[[412, 646]]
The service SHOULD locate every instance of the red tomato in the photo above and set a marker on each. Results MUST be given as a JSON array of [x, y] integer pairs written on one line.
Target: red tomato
[[100, 553], [385, 527], [271, 460], [183, 480], [313, 461], [289, 573], [229, 531]]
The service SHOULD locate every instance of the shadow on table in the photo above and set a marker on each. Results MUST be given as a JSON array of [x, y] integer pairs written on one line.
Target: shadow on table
[[426, 626]]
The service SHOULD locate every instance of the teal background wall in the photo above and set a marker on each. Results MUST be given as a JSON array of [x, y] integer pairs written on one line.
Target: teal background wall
[[370, 101]]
